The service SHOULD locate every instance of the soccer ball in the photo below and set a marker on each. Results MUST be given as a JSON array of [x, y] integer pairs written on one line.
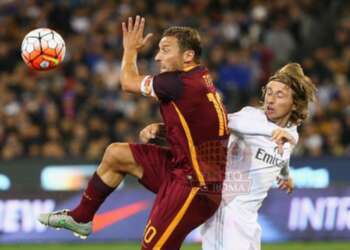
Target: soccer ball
[[43, 49]]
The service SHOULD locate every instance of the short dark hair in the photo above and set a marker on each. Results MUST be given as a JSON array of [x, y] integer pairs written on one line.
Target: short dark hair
[[188, 38]]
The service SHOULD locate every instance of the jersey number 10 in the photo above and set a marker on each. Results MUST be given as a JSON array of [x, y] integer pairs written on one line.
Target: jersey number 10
[[216, 100]]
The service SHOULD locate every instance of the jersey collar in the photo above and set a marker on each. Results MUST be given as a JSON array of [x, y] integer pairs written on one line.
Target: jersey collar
[[190, 68]]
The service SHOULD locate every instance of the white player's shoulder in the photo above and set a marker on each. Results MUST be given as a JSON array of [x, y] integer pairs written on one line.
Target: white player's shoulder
[[251, 109], [247, 113], [254, 112]]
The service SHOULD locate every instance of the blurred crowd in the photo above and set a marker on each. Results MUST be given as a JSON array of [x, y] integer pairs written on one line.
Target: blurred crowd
[[78, 109]]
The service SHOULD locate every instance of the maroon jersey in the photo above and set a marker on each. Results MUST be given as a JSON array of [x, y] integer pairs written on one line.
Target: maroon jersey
[[196, 124]]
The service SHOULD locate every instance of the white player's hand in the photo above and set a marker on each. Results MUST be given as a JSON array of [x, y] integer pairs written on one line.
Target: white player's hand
[[285, 184], [151, 132], [280, 136]]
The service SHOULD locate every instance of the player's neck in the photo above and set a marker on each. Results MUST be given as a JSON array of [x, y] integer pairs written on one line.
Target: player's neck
[[282, 122], [189, 66]]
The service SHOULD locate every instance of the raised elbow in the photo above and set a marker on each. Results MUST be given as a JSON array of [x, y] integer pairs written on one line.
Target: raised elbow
[[124, 83], [123, 86]]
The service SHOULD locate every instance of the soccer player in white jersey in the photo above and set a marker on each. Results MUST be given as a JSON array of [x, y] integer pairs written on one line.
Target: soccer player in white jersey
[[261, 142]]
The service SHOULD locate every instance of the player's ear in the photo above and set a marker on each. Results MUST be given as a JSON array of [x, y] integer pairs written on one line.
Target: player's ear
[[188, 56], [263, 92]]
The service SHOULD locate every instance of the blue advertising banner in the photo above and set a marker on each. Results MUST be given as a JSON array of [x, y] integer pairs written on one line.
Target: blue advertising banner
[[319, 169], [308, 214], [36, 175], [122, 217]]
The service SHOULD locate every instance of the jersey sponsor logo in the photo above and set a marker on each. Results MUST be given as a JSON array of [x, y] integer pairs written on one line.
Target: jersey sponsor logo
[[270, 159]]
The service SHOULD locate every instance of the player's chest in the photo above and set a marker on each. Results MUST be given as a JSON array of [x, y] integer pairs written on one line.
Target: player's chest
[[264, 150]]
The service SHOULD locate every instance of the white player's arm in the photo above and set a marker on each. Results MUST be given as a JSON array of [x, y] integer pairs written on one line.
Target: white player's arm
[[133, 40], [284, 173], [284, 180], [250, 123]]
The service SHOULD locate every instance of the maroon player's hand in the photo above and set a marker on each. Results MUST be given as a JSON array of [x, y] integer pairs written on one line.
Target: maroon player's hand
[[133, 33], [151, 132]]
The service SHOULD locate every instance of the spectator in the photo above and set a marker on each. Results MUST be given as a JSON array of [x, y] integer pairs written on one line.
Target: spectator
[[77, 109]]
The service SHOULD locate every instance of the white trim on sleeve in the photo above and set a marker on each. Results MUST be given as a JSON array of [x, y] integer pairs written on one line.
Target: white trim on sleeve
[[147, 86]]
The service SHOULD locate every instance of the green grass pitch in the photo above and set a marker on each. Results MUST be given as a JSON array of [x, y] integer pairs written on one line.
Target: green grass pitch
[[135, 246]]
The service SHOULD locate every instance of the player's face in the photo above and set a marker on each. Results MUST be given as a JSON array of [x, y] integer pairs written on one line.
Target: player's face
[[278, 102], [169, 55]]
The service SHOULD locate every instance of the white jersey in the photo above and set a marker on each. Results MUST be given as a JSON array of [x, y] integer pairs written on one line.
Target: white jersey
[[255, 155], [253, 164]]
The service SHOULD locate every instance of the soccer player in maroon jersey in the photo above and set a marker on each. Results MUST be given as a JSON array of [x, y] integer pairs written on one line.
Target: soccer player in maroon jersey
[[186, 176]]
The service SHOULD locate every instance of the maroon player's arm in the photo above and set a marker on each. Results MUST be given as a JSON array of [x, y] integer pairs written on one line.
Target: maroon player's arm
[[130, 78]]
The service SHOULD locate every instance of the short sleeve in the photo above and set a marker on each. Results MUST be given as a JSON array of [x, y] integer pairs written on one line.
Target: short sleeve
[[168, 86]]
